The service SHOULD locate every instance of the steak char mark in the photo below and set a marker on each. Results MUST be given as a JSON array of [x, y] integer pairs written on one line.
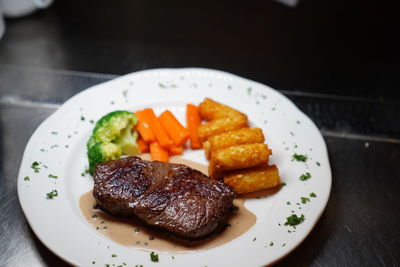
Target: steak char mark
[[173, 197]]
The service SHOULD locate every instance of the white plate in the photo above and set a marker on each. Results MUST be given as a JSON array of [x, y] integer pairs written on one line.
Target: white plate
[[59, 144]]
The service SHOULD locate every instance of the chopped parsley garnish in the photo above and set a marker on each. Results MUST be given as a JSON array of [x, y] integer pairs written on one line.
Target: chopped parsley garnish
[[288, 203], [294, 220], [154, 257], [304, 200], [82, 118], [167, 86], [312, 194], [173, 257], [284, 244], [305, 176], [26, 178], [271, 244], [53, 176], [82, 174], [254, 239], [52, 194], [113, 255], [93, 262], [137, 265], [55, 133], [283, 184], [299, 157], [319, 164], [249, 90], [35, 166], [91, 121]]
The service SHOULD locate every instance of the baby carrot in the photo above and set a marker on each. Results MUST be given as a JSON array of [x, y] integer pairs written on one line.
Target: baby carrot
[[193, 122], [156, 127], [174, 128], [176, 150], [157, 152], [143, 146], [143, 127]]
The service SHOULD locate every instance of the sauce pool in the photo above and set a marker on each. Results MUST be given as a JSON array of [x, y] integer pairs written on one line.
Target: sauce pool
[[136, 235]]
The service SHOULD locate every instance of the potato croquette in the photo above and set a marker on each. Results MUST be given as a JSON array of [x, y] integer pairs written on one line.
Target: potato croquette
[[232, 138], [222, 125], [239, 157], [211, 110], [253, 179]]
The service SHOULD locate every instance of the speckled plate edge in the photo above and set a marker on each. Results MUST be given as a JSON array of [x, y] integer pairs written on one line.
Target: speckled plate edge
[[287, 131]]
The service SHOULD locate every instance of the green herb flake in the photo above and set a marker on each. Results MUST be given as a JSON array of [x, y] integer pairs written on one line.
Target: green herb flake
[[304, 200], [82, 118], [318, 164], [249, 90], [167, 86], [53, 176], [26, 178], [83, 174], [93, 262], [113, 255], [305, 176], [254, 239], [35, 166], [284, 244], [52, 194], [271, 244], [312, 194], [91, 121], [154, 257], [288, 203], [299, 157], [54, 133], [173, 257], [283, 184], [294, 220]]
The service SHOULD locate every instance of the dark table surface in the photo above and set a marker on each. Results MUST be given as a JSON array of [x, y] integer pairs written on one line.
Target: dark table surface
[[336, 60]]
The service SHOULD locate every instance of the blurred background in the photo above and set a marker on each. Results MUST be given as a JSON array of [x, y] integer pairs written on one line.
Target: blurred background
[[331, 47], [337, 60]]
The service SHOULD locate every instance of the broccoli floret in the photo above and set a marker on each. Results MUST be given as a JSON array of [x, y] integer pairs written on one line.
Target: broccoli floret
[[112, 136], [102, 152]]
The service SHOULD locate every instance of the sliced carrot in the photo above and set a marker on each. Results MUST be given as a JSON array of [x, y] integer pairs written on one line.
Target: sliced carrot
[[193, 122], [157, 152], [143, 146], [156, 127], [176, 150], [143, 127], [174, 128]]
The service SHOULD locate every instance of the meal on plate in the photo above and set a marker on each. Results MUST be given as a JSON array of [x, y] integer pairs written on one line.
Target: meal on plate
[[170, 196]]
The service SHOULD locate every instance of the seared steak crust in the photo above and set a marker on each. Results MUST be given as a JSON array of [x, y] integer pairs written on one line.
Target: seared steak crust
[[171, 196]]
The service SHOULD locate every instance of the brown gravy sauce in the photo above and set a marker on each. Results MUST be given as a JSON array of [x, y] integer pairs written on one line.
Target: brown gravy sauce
[[136, 235]]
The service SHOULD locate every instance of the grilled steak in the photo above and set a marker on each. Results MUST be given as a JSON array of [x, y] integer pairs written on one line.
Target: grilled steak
[[171, 196]]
